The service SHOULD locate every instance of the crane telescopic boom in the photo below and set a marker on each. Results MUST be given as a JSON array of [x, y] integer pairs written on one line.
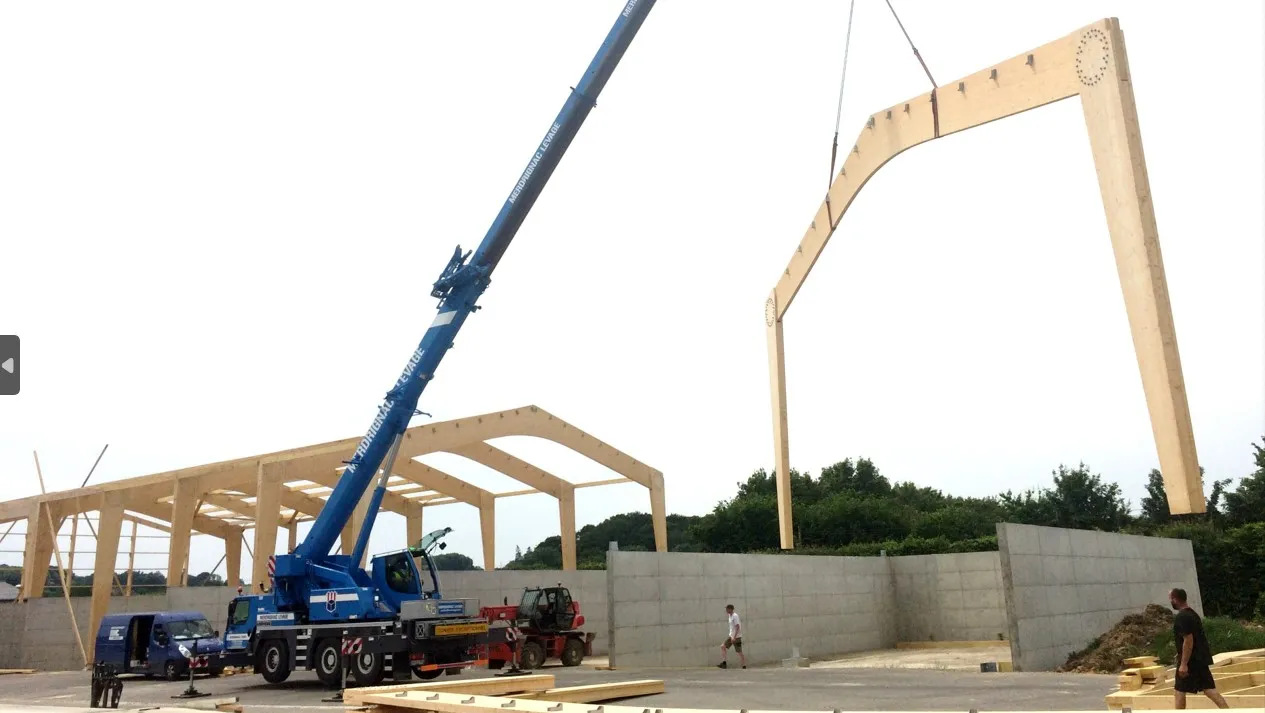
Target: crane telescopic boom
[[458, 288]]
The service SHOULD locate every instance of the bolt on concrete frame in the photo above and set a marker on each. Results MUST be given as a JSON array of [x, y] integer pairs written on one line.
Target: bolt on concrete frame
[[276, 490], [1090, 63]]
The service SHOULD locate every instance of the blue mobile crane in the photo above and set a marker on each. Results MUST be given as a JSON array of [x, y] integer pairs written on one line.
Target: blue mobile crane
[[322, 605]]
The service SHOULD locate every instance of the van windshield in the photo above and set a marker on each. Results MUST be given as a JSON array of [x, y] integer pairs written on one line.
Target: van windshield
[[191, 629]]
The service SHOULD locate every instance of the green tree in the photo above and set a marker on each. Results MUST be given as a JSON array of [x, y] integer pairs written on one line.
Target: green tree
[[453, 562], [1246, 504], [1154, 504]]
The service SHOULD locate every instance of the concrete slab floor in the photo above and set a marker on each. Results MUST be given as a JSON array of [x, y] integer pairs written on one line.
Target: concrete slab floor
[[757, 688], [942, 659]]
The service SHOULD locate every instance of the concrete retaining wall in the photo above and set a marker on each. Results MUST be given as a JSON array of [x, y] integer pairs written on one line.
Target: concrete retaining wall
[[951, 597], [1065, 587], [1049, 590], [668, 609]]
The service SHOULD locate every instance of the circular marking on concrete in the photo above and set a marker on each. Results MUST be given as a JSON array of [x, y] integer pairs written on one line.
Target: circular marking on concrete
[[770, 312]]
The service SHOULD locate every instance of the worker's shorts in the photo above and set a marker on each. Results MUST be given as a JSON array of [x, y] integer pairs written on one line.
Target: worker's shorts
[[1198, 678], [735, 643]]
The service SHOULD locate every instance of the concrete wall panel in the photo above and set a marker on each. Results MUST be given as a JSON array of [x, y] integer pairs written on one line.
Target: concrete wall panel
[[1065, 587], [822, 605]]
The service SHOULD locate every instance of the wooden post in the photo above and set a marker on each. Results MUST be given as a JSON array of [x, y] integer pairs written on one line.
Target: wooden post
[[1111, 117], [131, 561], [103, 575], [413, 524], [658, 512], [269, 477], [233, 560], [566, 516], [781, 452], [184, 506], [74, 534], [487, 528]]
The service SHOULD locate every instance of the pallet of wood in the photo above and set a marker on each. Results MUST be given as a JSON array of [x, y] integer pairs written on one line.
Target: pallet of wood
[[1240, 678]]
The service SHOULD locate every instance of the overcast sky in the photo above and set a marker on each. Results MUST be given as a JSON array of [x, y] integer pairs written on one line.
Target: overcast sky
[[220, 224]]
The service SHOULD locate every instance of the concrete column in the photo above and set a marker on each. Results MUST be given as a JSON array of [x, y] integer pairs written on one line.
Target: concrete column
[[413, 525], [108, 530], [292, 540], [487, 527], [184, 506], [269, 478], [658, 513], [233, 559], [566, 516]]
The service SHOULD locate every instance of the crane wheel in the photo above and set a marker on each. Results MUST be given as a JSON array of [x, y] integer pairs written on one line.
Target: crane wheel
[[329, 662], [531, 656], [274, 661], [572, 652], [367, 668]]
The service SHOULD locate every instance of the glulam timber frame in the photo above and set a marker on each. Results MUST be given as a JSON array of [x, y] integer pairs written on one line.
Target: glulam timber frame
[[1090, 63], [278, 490]]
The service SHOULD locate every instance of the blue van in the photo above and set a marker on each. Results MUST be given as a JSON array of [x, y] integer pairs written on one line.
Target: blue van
[[149, 643]]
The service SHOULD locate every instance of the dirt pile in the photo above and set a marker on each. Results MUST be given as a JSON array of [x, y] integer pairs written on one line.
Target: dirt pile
[[1131, 637]]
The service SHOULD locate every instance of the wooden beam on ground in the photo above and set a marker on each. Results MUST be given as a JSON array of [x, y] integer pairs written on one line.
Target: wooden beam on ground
[[485, 686], [453, 702], [597, 692]]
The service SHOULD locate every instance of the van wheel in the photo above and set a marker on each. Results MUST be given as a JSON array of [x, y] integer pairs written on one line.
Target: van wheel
[[572, 652], [329, 663], [274, 661], [368, 668], [171, 671]]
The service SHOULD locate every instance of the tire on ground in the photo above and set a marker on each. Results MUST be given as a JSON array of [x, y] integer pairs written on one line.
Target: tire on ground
[[531, 656], [572, 652], [328, 662], [274, 661]]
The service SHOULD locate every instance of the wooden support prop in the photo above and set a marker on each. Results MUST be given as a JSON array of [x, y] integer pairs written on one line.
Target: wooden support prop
[[1090, 63], [65, 587], [482, 686]]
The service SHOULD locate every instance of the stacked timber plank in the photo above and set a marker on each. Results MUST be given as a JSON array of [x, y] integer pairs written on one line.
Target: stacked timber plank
[[527, 693], [1146, 685], [1141, 670]]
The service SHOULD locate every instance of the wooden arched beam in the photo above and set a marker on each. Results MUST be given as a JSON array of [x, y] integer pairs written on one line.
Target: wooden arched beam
[[1090, 63]]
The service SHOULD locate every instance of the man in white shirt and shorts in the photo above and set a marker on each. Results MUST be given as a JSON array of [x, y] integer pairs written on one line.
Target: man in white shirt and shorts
[[734, 640]]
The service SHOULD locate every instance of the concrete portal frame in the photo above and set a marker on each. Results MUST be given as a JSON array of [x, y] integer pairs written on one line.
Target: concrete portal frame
[[278, 490], [1090, 63]]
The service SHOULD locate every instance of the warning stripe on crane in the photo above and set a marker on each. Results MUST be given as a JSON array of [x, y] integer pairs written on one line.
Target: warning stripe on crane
[[351, 647], [272, 566]]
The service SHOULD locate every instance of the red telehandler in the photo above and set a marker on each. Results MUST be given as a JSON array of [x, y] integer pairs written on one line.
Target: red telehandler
[[546, 624]]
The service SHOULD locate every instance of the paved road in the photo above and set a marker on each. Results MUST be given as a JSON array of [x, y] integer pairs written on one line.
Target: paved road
[[762, 688]]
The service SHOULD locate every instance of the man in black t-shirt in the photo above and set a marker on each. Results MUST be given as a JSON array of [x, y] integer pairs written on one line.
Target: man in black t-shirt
[[1194, 657]]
